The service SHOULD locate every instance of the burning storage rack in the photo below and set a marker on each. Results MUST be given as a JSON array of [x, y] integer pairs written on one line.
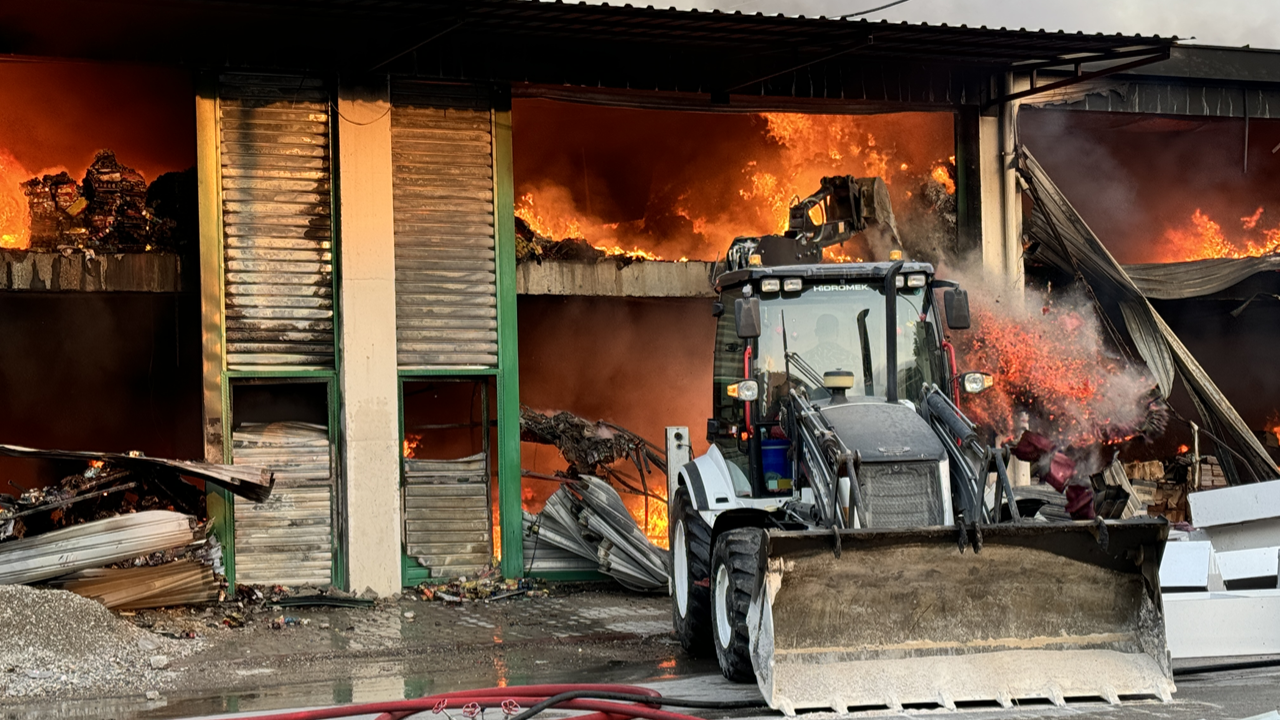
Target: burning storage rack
[[274, 319]]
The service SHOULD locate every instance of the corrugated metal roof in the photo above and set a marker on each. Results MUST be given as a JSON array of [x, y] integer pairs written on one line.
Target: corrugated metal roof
[[497, 39]]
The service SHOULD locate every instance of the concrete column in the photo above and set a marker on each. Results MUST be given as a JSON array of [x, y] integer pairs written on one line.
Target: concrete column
[[1001, 197], [367, 302]]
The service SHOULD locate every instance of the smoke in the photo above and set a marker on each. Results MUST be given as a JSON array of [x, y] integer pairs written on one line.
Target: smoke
[[1140, 181], [1054, 369]]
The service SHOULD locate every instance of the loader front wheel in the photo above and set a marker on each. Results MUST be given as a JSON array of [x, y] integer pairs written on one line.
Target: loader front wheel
[[690, 544], [734, 566]]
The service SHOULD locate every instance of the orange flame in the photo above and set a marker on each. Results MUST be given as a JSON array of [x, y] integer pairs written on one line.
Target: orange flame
[[555, 218], [1204, 239], [1052, 369], [942, 176], [410, 444], [751, 194], [15, 214], [1182, 449], [96, 463]]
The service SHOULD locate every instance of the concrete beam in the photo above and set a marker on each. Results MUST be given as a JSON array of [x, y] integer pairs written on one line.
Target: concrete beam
[[78, 272], [367, 299], [605, 279]]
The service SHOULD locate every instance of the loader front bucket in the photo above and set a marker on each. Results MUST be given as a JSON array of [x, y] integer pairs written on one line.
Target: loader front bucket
[[898, 617]]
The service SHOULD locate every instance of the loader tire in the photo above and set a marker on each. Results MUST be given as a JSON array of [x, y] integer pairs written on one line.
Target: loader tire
[[690, 543], [735, 566]]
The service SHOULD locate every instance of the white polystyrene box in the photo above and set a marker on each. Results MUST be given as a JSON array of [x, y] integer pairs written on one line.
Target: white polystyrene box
[[1185, 565], [1242, 503]]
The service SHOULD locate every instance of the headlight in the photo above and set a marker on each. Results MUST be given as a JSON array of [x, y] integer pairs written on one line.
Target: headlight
[[792, 284], [744, 390], [770, 285], [976, 382], [916, 280]]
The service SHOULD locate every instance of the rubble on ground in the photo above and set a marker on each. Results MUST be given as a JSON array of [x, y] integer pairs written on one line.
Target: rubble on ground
[[53, 641], [492, 587]]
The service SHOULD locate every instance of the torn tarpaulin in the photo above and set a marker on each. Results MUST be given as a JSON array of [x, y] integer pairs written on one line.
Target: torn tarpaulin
[[249, 482]]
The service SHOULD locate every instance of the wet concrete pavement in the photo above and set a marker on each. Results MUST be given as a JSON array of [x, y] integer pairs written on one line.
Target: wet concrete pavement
[[410, 648]]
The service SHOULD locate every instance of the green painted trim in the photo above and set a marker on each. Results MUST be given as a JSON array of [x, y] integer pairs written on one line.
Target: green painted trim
[[412, 574], [338, 567], [571, 576], [509, 512], [340, 528], [225, 522], [446, 372]]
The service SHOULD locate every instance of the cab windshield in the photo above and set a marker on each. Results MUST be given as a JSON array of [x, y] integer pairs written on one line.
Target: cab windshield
[[842, 327]]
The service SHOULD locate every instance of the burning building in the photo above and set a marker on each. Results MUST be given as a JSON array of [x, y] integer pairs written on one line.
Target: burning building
[[402, 235]]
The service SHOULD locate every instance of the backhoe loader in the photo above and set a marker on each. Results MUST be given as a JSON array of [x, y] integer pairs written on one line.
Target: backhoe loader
[[849, 540]]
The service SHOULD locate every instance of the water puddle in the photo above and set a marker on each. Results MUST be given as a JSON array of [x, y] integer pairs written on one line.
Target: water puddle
[[377, 681]]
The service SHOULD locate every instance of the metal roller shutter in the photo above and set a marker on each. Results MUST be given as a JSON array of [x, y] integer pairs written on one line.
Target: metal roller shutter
[[276, 221], [447, 520], [287, 540], [446, 291]]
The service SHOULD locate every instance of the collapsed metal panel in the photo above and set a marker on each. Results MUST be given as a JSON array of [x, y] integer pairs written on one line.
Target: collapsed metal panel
[[274, 142], [447, 521], [287, 540], [446, 284]]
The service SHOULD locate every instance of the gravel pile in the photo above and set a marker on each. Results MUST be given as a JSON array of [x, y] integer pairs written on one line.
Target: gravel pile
[[53, 642]]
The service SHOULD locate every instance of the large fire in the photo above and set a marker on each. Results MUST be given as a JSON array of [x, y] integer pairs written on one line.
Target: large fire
[[747, 188], [15, 215], [1203, 238], [1053, 372]]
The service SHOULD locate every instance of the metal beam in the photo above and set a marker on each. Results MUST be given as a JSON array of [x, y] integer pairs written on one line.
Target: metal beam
[[1083, 77]]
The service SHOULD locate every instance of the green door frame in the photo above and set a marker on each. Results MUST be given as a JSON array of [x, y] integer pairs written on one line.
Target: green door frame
[[220, 503]]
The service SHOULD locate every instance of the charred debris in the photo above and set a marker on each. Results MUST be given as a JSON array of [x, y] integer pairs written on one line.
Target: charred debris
[[112, 208], [584, 524], [127, 530]]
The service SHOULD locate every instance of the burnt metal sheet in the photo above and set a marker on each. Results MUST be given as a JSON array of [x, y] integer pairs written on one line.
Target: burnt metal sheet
[[250, 480], [277, 224], [446, 284], [447, 518], [288, 539]]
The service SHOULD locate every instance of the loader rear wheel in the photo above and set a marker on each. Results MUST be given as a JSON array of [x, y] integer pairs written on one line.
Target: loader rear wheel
[[690, 543], [735, 565]]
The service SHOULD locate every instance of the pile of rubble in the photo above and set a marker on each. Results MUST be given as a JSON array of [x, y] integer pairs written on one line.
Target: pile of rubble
[[51, 640], [126, 531], [532, 247], [489, 587]]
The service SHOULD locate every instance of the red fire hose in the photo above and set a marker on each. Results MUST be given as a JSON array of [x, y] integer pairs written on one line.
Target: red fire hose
[[606, 702]]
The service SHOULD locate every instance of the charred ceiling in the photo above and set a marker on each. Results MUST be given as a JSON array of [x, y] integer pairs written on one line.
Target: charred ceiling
[[713, 53]]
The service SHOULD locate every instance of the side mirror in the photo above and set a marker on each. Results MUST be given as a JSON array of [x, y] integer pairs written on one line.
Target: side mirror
[[956, 304], [746, 313]]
